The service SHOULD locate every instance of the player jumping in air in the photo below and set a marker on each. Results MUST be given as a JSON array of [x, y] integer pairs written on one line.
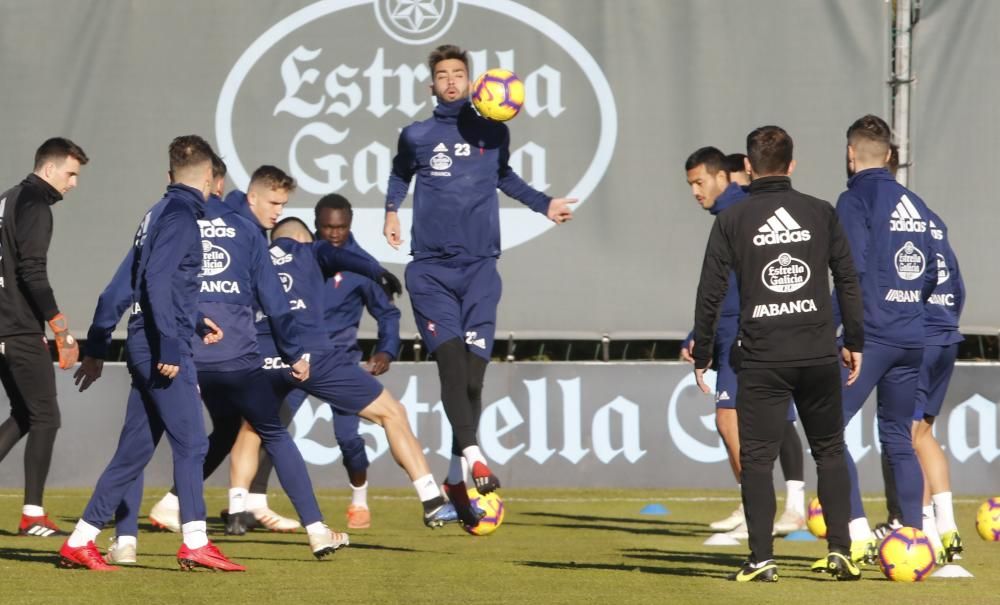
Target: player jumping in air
[[459, 160]]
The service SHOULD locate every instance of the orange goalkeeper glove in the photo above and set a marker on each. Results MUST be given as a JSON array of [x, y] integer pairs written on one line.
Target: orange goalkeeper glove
[[66, 345]]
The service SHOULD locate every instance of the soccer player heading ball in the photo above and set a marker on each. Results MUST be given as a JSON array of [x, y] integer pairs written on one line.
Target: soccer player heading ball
[[459, 160]]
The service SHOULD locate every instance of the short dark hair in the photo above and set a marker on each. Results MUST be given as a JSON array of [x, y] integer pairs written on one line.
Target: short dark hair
[[273, 177], [59, 148], [219, 169], [734, 162], [893, 158], [187, 151], [289, 226], [445, 52], [871, 137], [770, 150], [713, 159], [333, 201]]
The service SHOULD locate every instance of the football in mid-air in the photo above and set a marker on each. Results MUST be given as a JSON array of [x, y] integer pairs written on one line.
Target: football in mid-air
[[906, 555], [492, 503], [498, 94], [814, 519], [988, 520]]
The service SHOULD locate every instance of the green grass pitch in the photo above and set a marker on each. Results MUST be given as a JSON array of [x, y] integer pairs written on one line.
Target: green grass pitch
[[556, 546]]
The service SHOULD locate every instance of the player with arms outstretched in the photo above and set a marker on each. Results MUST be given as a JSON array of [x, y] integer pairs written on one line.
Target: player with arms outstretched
[[459, 160]]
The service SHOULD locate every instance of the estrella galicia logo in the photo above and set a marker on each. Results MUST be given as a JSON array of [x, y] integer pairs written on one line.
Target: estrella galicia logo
[[910, 262], [785, 274], [336, 109], [214, 259]]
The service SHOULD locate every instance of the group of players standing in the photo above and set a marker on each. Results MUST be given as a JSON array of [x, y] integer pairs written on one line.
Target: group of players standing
[[210, 313], [219, 315], [766, 319]]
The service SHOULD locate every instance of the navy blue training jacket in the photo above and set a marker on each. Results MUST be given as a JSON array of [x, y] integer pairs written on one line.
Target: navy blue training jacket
[[944, 308], [303, 270], [237, 277], [347, 294], [460, 160], [887, 226], [166, 261]]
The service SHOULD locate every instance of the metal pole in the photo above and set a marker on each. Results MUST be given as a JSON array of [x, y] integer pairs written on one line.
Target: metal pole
[[901, 82]]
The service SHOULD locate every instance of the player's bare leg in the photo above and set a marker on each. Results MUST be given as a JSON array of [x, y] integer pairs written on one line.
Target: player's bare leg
[[939, 515], [243, 461], [389, 413], [726, 424]]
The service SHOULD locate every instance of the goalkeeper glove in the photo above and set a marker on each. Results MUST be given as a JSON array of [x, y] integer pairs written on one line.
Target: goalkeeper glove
[[66, 345]]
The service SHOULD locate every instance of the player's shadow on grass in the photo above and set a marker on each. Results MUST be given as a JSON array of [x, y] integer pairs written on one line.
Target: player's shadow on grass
[[670, 571], [715, 558], [646, 521], [662, 528], [300, 543], [27, 555]]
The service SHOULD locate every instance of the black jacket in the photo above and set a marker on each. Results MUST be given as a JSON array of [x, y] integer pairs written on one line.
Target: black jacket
[[26, 297], [781, 244]]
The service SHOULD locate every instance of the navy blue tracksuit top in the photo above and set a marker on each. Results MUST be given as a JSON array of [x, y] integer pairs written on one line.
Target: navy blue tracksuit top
[[303, 270], [346, 295], [887, 226], [236, 277], [164, 279], [460, 160], [944, 308]]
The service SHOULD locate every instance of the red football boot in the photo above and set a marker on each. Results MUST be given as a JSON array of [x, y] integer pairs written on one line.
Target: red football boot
[[206, 557], [83, 556], [484, 480], [42, 527]]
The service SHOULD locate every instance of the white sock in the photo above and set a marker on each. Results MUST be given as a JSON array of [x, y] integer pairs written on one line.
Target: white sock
[[860, 530], [795, 499], [930, 527], [427, 488], [32, 510], [944, 512], [256, 501], [195, 534], [171, 501], [473, 454], [83, 532], [125, 541], [458, 470], [359, 495], [237, 500], [317, 529]]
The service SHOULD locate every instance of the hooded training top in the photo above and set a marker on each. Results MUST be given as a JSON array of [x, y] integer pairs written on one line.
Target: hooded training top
[[303, 270], [460, 160], [346, 295], [26, 297], [782, 244], [164, 279], [944, 308], [893, 253]]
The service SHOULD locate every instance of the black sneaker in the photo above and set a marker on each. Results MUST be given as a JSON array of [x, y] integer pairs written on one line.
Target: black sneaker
[[841, 567], [757, 572], [237, 524]]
